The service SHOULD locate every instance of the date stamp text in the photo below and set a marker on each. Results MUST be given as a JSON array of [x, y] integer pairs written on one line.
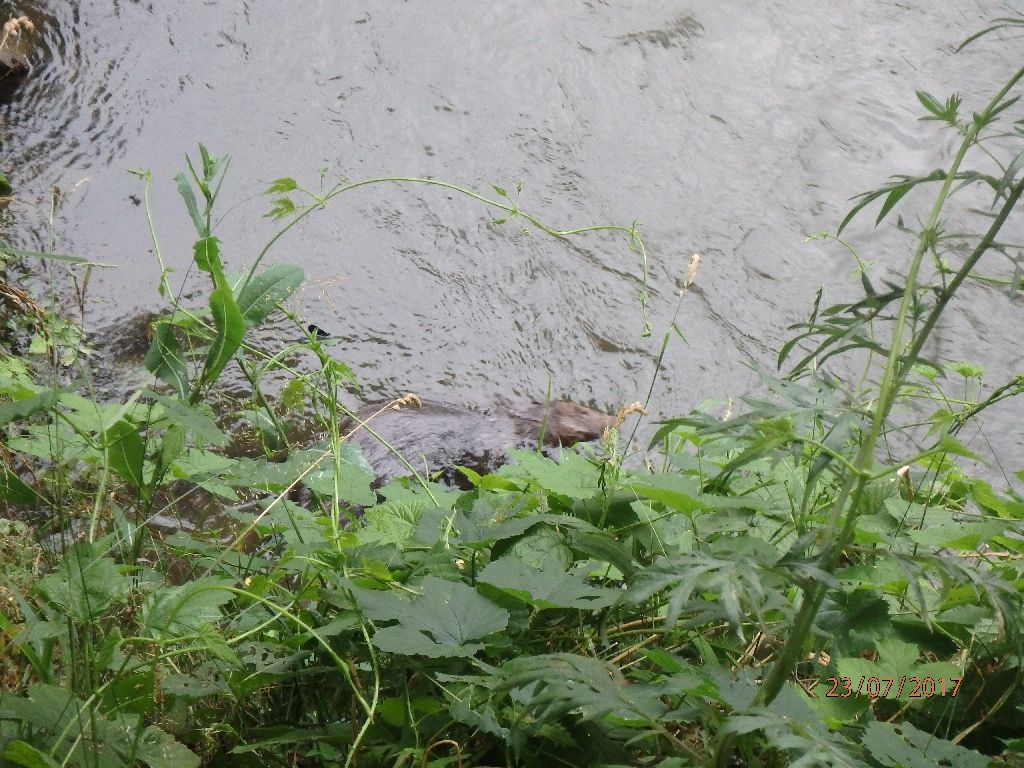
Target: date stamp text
[[892, 687]]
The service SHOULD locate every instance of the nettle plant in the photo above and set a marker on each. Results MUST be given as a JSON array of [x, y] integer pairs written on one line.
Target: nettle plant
[[894, 564], [138, 645], [780, 592]]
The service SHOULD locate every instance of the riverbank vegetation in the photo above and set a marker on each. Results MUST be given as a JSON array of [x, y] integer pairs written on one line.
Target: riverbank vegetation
[[815, 578]]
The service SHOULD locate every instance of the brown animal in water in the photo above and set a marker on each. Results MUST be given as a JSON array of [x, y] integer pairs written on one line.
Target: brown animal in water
[[439, 436]]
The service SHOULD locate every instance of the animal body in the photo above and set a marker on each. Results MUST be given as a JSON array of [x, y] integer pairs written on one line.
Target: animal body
[[441, 436]]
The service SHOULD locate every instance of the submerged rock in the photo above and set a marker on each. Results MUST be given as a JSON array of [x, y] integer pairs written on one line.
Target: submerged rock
[[438, 436]]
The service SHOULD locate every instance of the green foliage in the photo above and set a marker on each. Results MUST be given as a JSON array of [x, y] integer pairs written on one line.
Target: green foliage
[[814, 581]]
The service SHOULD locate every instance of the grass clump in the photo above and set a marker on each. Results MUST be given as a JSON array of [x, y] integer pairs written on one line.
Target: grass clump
[[815, 580]]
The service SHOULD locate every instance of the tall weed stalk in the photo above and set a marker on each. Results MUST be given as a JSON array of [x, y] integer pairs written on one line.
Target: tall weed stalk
[[919, 307]]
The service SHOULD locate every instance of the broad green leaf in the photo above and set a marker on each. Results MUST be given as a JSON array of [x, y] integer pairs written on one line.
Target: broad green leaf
[[186, 609], [443, 622], [158, 749], [87, 582], [230, 329], [949, 444], [14, 490], [164, 359], [125, 451], [601, 546], [901, 745], [959, 535], [260, 295], [64, 720], [354, 483], [111, 644], [197, 463], [197, 420], [572, 476], [679, 492], [546, 587], [540, 546], [967, 370], [28, 406], [23, 754], [207, 470], [393, 522], [683, 494], [207, 255]]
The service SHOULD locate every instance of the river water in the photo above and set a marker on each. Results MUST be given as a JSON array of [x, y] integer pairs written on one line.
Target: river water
[[729, 129]]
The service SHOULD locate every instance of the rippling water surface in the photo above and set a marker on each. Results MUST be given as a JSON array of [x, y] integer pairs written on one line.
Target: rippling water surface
[[729, 129]]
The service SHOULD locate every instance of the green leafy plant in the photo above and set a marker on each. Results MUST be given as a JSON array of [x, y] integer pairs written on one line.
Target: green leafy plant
[[813, 581]]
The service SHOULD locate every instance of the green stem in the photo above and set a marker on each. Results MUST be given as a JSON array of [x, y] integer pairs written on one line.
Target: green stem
[[848, 502]]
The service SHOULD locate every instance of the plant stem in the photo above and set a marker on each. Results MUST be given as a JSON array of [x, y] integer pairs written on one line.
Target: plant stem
[[900, 359]]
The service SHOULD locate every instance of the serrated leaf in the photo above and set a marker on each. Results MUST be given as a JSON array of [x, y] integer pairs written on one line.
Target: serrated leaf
[[393, 522], [894, 196], [572, 476], [197, 420], [547, 586], [443, 622], [188, 608], [158, 749], [284, 184], [967, 370], [743, 576], [540, 546], [553, 685], [904, 183], [86, 582], [280, 208], [684, 494], [901, 745]]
